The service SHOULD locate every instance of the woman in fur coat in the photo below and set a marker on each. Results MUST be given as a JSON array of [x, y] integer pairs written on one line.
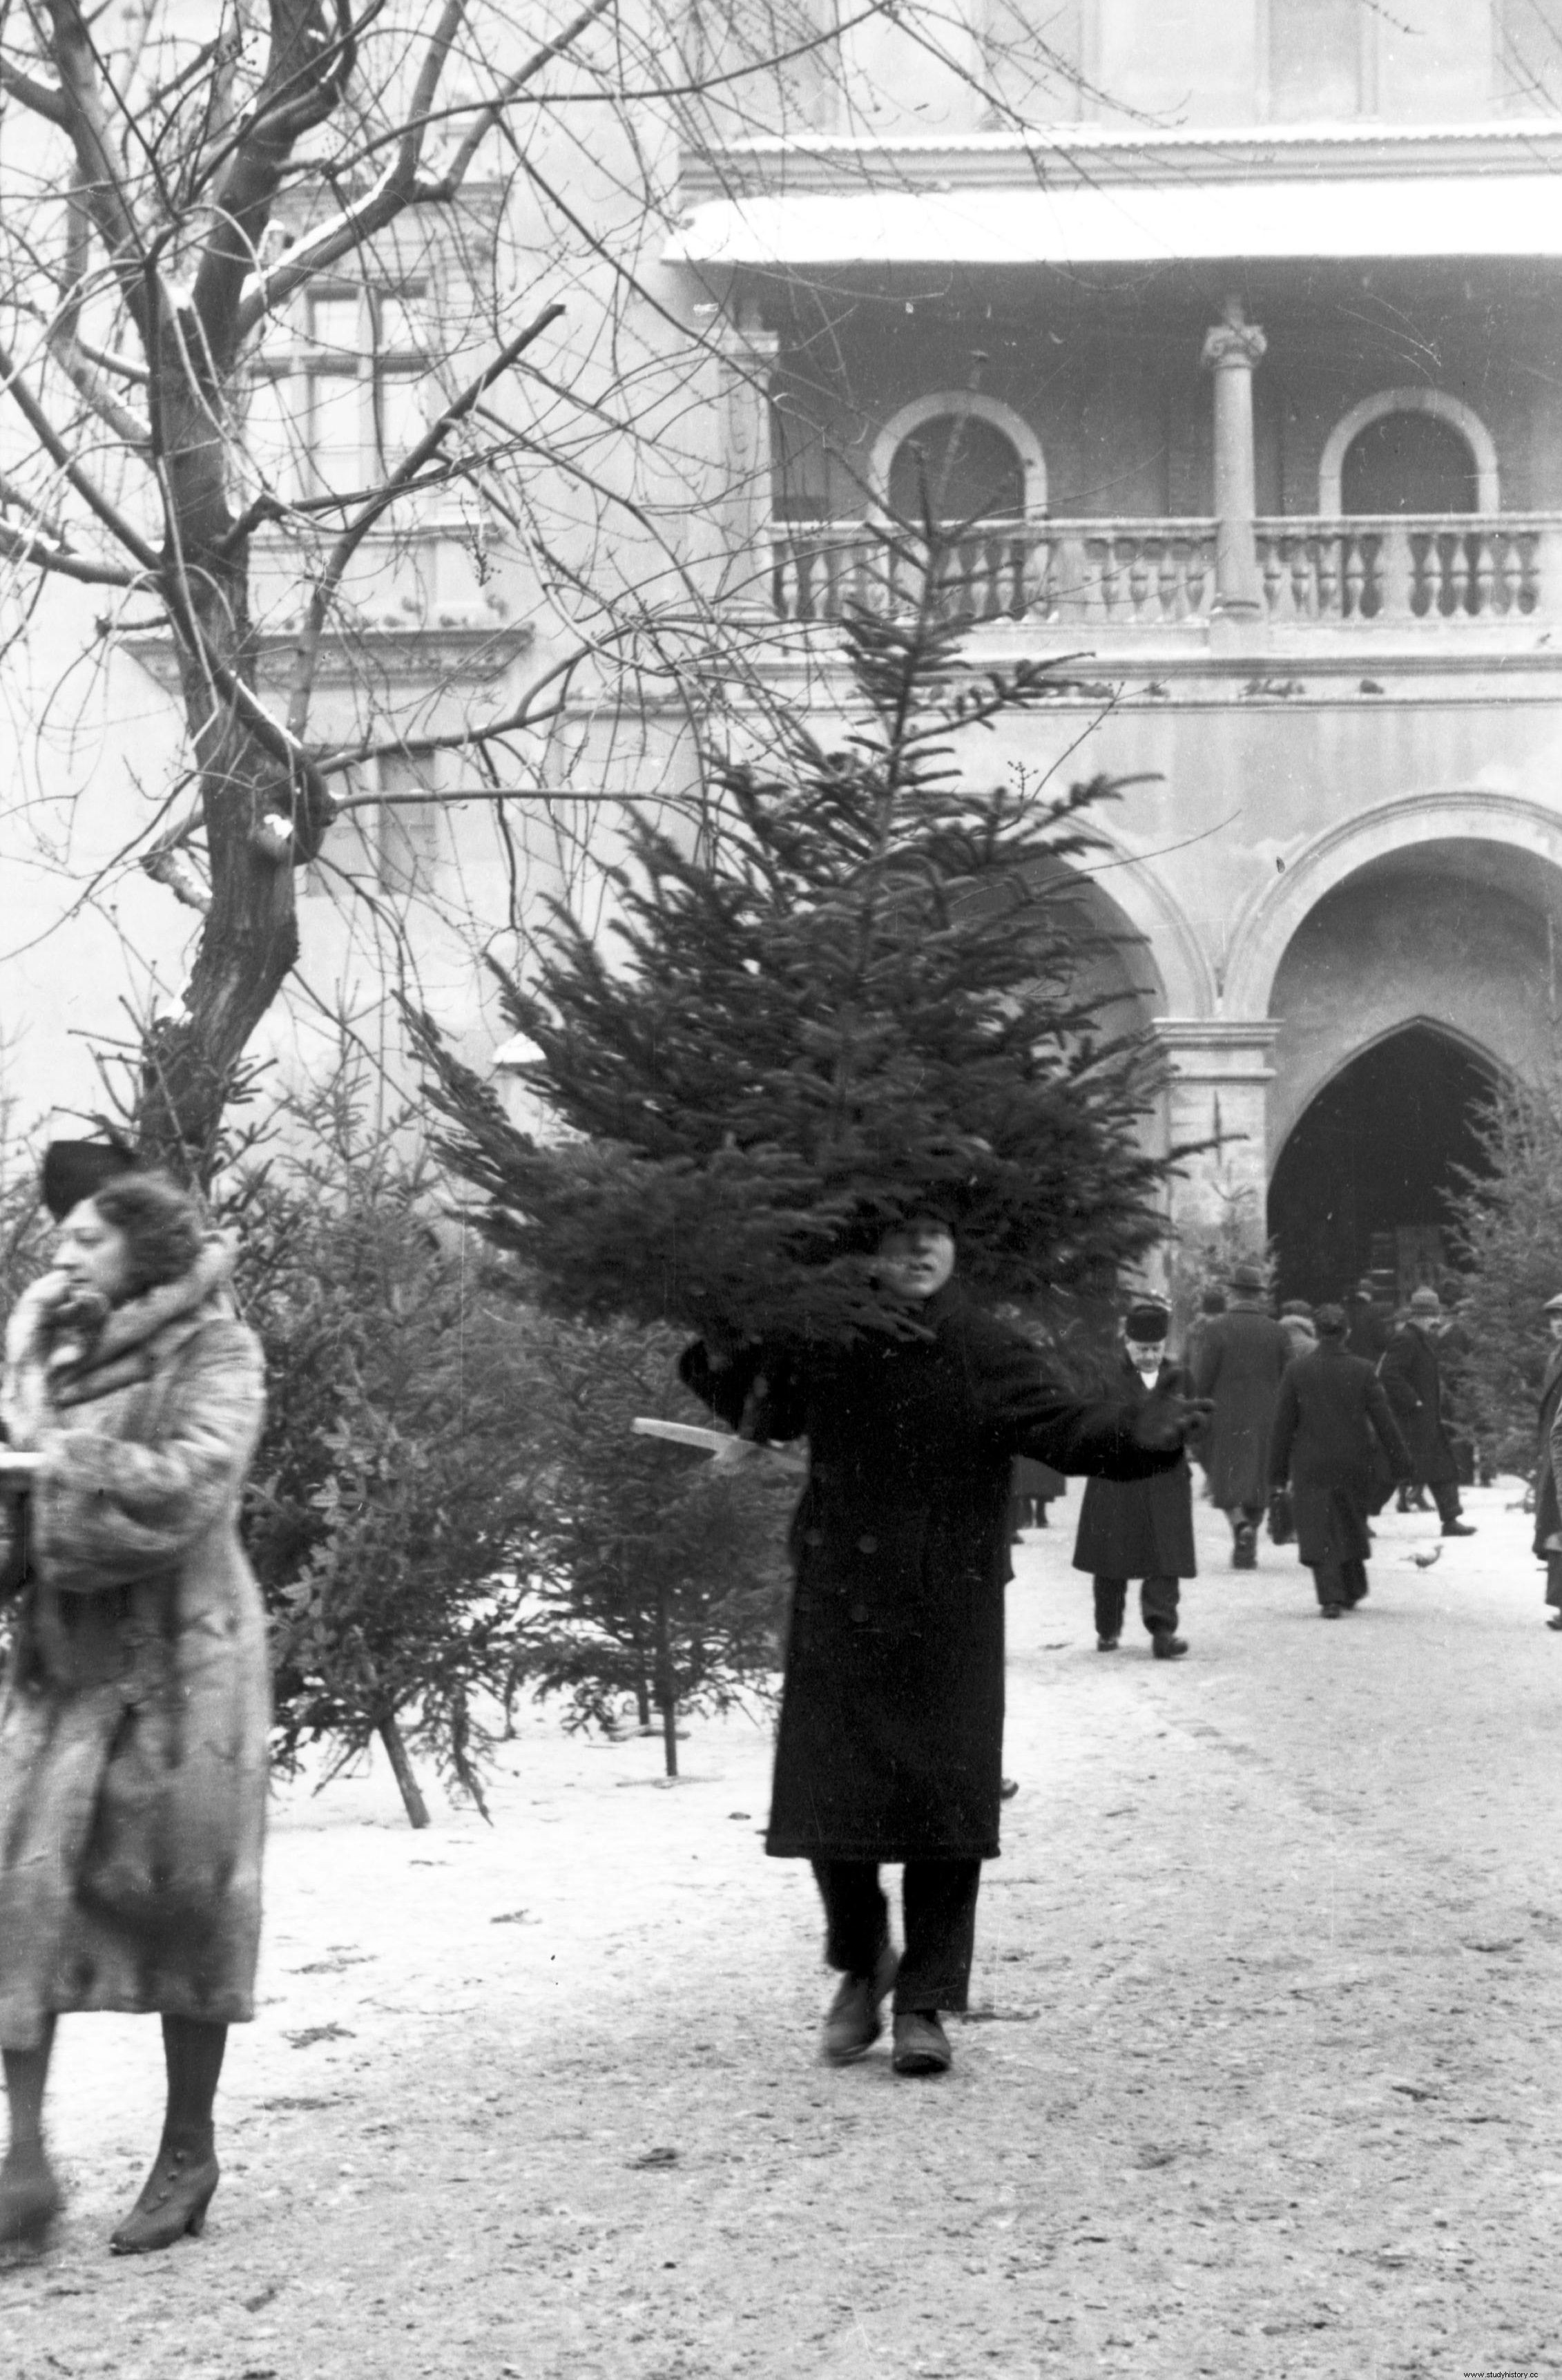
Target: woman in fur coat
[[133, 1733]]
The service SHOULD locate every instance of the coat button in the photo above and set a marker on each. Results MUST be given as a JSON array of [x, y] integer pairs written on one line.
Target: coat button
[[812, 1537], [867, 1545], [859, 1613]]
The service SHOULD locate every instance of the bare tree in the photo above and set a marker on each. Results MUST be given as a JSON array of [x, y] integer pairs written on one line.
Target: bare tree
[[279, 282]]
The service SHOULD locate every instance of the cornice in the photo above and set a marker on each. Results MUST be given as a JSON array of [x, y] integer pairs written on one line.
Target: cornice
[[419, 660], [1053, 153]]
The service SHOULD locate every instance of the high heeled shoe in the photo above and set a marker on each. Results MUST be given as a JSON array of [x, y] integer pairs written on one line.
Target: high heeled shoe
[[174, 2201], [29, 2200]]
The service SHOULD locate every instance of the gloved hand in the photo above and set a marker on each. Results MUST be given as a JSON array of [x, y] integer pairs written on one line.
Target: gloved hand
[[1165, 1420]]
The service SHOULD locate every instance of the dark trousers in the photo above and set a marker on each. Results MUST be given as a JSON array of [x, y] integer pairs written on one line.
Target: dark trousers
[[1340, 1583], [939, 1899], [1158, 1605], [1446, 1498]]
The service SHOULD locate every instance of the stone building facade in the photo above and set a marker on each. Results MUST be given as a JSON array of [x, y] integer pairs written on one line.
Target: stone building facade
[[1243, 383]]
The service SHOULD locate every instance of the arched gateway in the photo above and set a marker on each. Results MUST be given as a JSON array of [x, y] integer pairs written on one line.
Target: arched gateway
[[1420, 965]]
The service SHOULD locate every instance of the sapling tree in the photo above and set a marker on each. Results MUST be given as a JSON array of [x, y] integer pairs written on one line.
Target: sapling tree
[[865, 984]]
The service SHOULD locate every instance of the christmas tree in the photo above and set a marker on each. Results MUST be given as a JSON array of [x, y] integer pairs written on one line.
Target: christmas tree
[[861, 988]]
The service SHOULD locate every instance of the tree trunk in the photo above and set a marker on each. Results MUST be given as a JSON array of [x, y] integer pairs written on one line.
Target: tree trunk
[[666, 1684], [261, 819], [389, 1736]]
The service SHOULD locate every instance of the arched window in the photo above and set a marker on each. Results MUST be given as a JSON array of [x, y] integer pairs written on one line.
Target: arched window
[[1409, 450], [977, 459], [956, 467]]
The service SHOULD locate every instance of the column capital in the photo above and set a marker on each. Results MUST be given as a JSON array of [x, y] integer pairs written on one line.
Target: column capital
[[1233, 346]]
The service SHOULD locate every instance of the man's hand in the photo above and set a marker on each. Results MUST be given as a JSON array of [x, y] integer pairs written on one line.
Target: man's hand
[[1165, 1420]]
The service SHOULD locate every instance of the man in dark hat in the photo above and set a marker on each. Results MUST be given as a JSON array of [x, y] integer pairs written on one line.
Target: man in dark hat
[[1140, 1528], [1331, 1405], [1242, 1358], [1413, 1377]]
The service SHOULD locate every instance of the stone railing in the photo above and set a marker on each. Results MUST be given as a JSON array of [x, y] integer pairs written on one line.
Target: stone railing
[[1126, 572], [1382, 572], [1404, 567]]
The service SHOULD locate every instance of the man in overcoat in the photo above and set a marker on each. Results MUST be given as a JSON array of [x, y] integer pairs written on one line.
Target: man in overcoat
[[891, 1725], [1548, 1506], [1241, 1357], [1140, 1528], [1411, 1375], [1330, 1408], [1367, 1328]]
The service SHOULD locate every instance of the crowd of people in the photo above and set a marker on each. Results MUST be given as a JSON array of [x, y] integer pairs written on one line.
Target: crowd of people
[[1315, 1417]]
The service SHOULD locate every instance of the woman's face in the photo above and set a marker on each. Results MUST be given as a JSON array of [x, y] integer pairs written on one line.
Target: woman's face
[[91, 1253], [918, 1260]]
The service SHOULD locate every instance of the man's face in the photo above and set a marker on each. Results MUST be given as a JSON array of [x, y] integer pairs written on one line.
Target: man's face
[[1553, 1324], [918, 1260], [1145, 1354]]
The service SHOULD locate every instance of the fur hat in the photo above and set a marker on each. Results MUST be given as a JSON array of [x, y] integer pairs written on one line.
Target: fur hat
[[74, 1170], [1146, 1324], [1425, 1301]]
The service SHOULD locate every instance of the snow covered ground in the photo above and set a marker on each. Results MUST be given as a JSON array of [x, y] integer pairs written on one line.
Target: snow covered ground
[[1261, 2080]]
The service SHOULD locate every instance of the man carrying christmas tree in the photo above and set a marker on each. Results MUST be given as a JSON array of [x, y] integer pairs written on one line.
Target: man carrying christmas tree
[[891, 1727]]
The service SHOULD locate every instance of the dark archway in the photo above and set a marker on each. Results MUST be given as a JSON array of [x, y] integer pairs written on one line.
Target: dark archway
[[959, 466], [1409, 462], [1365, 1179]]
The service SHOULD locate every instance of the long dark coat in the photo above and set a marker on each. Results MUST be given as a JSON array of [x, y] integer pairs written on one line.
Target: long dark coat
[[1410, 1374], [891, 1727], [133, 1737], [1140, 1528], [1548, 1516], [1243, 1355], [1330, 1409]]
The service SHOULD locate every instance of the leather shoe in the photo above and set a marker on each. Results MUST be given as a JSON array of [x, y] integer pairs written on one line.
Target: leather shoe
[[921, 2044], [1329, 1610], [1167, 1647], [1458, 1528], [1106, 1644], [852, 2023], [173, 2200], [1555, 1620]]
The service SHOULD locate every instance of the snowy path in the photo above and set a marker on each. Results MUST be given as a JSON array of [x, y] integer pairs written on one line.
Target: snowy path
[[1264, 2082]]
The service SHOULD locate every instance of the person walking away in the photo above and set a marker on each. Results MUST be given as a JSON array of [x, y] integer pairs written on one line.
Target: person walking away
[[1367, 1326], [1140, 1528], [1411, 1375], [1548, 1504], [1296, 1321], [1330, 1408], [1242, 1358], [1212, 1302], [892, 1721], [133, 1736]]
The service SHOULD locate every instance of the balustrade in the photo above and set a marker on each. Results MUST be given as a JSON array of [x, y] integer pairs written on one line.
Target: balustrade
[[1400, 568], [1124, 573], [1384, 571]]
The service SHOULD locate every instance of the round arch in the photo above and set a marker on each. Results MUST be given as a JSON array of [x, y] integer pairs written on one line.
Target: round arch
[[1002, 418], [1451, 409], [1187, 982], [1265, 928]]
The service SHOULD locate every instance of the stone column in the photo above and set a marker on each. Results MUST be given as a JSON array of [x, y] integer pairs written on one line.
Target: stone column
[[1230, 352], [746, 353], [1218, 1094]]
